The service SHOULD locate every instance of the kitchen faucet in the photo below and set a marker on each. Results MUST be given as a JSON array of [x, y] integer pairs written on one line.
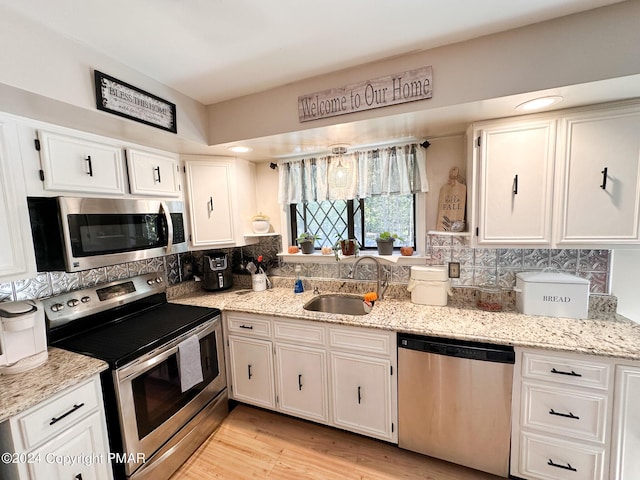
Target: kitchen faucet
[[383, 283]]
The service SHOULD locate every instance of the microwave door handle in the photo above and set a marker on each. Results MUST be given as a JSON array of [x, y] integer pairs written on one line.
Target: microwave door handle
[[167, 216]]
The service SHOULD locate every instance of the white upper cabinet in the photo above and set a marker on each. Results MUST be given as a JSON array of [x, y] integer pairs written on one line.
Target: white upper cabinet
[[153, 173], [599, 177], [559, 180], [515, 167], [17, 259], [81, 164], [221, 197]]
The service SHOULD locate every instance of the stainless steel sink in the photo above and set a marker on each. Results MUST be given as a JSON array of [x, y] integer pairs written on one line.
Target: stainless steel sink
[[338, 303]]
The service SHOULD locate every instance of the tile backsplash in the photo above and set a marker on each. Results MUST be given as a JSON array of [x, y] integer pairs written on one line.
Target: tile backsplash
[[477, 266]]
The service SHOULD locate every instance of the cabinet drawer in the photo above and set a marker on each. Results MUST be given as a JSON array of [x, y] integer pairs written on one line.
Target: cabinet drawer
[[566, 370], [300, 333], [565, 411], [249, 326], [56, 415], [553, 459], [362, 340]]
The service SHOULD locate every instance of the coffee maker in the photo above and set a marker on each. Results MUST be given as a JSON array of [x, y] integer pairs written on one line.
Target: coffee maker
[[23, 336], [217, 272]]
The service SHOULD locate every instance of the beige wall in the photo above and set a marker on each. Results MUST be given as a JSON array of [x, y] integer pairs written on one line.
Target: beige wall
[[50, 78], [591, 46]]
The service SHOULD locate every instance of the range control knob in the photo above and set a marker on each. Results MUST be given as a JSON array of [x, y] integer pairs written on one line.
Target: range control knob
[[73, 302], [150, 282], [158, 279], [85, 299], [56, 307]]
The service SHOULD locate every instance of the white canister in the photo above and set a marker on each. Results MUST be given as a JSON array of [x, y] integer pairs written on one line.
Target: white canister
[[259, 282], [429, 285]]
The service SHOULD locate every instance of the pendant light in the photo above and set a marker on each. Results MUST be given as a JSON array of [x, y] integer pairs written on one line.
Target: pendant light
[[342, 171]]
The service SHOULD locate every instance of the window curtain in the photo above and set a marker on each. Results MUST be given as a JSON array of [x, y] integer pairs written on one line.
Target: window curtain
[[398, 170]]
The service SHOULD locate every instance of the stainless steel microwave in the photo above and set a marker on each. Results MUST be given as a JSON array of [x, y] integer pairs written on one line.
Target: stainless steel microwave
[[74, 234]]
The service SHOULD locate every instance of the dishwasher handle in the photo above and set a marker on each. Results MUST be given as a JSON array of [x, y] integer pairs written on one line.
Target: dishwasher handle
[[458, 348]]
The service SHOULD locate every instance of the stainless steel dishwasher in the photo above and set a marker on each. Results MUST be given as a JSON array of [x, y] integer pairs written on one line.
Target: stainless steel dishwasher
[[454, 401]]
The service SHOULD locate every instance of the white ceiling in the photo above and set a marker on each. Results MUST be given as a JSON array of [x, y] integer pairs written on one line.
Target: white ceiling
[[214, 50]]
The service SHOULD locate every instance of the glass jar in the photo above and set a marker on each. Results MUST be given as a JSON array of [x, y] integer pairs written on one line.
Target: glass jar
[[489, 298]]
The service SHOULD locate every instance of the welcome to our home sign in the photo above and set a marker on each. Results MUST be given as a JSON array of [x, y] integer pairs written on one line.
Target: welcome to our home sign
[[380, 92]]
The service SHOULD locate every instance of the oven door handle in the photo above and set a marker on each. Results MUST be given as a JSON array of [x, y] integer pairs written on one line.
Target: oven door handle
[[167, 216], [130, 371]]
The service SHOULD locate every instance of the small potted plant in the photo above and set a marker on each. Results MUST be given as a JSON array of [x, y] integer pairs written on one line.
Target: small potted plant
[[348, 247], [385, 242], [306, 242]]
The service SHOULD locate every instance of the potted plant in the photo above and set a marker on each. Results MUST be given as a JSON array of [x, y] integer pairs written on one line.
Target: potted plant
[[306, 242], [347, 247], [385, 242]]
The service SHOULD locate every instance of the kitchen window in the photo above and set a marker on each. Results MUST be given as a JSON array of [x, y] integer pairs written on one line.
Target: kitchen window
[[362, 219]]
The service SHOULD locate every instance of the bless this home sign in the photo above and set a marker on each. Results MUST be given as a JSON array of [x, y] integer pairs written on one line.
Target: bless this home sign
[[120, 98], [380, 92]]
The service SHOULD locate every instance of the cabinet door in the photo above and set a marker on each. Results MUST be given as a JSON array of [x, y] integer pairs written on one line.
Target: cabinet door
[[599, 163], [75, 164], [252, 379], [625, 463], [152, 173], [361, 394], [210, 203], [302, 382], [515, 183], [85, 443], [16, 246]]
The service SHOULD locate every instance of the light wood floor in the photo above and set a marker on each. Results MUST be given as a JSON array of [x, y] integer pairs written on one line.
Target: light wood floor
[[253, 443]]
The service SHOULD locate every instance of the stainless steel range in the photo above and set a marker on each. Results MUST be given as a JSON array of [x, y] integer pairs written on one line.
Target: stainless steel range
[[161, 403]]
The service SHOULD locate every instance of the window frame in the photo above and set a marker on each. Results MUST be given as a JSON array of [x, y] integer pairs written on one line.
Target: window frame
[[293, 223]]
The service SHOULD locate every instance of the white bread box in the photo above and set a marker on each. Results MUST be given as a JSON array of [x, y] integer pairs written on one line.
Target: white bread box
[[429, 285], [552, 294]]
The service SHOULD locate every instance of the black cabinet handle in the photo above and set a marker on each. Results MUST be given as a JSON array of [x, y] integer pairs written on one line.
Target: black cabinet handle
[[565, 415], [211, 204], [157, 169], [90, 165], [248, 327], [79, 476], [604, 178], [359, 396], [515, 185], [300, 382], [249, 371], [564, 467], [57, 419], [560, 372]]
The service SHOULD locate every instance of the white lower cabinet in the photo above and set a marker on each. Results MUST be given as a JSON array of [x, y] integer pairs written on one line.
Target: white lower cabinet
[[335, 375], [625, 460], [251, 368], [561, 416], [62, 438], [75, 443], [361, 397], [302, 382]]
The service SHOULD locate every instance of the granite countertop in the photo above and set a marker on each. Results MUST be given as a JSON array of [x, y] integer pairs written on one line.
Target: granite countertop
[[604, 334], [62, 369]]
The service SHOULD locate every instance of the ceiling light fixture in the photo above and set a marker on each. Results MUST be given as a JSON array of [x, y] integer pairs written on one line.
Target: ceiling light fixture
[[240, 149], [342, 171], [539, 103]]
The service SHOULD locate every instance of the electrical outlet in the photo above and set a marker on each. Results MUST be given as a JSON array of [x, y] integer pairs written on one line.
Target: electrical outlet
[[454, 269]]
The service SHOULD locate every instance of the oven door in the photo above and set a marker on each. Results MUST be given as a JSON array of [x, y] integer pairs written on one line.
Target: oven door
[[152, 407]]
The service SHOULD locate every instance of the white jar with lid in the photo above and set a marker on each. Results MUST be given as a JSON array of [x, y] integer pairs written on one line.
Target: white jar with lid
[[429, 285], [260, 223]]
